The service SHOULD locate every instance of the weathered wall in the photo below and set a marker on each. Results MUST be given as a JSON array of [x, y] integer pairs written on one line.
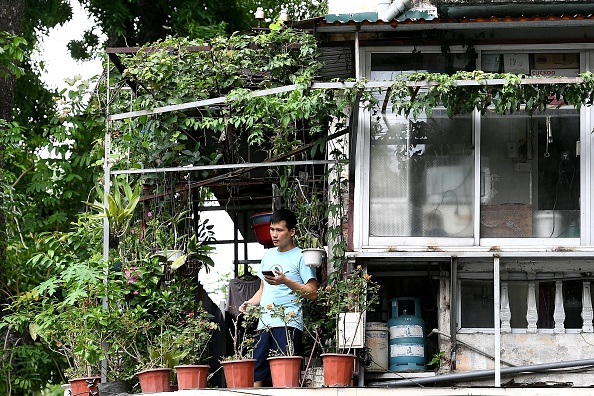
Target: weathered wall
[[528, 349]]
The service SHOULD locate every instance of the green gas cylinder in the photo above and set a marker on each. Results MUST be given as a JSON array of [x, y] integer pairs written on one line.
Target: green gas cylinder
[[407, 335]]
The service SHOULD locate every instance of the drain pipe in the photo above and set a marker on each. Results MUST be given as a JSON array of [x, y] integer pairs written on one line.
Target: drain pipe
[[481, 373], [386, 10]]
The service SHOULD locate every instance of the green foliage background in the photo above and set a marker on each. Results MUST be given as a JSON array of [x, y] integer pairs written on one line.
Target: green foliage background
[[52, 146]]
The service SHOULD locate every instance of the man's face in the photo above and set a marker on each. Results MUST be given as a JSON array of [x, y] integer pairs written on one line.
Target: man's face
[[281, 236]]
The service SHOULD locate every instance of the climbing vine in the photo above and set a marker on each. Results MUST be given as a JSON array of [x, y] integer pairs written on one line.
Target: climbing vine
[[507, 97], [278, 120]]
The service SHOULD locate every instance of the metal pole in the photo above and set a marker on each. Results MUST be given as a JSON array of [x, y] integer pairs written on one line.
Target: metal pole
[[221, 166], [496, 305], [106, 177], [357, 60], [453, 310]]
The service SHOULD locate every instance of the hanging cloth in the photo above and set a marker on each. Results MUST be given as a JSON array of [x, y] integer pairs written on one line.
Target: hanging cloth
[[241, 289]]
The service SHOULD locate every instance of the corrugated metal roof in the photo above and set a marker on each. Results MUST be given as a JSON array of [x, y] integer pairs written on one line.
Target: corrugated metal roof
[[461, 23]]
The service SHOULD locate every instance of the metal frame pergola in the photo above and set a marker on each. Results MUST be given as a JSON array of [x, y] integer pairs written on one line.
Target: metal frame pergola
[[238, 166]]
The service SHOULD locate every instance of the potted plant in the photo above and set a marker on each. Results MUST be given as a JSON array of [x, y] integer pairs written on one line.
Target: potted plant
[[314, 255], [285, 366], [192, 372], [347, 296], [176, 242], [118, 209], [261, 226], [67, 316], [154, 347], [312, 220], [76, 311], [239, 367]]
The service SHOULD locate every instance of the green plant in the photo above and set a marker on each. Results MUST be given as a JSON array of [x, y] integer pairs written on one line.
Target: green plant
[[436, 360], [243, 342], [195, 336], [155, 316], [155, 343], [175, 239], [311, 211], [289, 320], [72, 326], [351, 291], [66, 313], [120, 206], [503, 92]]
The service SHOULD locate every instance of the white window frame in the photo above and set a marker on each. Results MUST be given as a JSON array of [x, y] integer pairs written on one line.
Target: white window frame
[[364, 242]]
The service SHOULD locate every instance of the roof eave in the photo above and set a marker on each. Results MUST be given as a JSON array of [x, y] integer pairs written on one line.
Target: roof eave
[[350, 27]]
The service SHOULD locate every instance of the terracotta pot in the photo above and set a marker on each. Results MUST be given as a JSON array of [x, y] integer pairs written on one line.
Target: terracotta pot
[[285, 371], [154, 380], [338, 369], [84, 386], [239, 373], [192, 376]]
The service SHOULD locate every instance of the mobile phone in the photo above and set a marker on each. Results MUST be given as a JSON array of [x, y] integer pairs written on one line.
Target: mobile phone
[[268, 273]]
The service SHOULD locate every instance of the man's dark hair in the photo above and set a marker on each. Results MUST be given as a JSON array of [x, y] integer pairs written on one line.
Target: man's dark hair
[[286, 215]]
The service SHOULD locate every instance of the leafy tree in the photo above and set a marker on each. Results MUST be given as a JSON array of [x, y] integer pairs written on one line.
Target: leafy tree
[[50, 142], [37, 193], [136, 23], [296, 9]]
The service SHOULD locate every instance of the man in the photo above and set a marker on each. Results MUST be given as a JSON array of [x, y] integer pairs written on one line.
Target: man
[[289, 275]]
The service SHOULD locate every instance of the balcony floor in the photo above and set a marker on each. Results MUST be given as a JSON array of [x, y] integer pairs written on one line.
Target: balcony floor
[[354, 391]]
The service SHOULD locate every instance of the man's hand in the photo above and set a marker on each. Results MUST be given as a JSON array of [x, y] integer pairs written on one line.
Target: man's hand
[[279, 279], [244, 307]]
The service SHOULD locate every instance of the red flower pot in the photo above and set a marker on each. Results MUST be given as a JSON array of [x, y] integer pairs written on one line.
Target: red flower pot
[[154, 380], [239, 373], [84, 386], [261, 226], [338, 369], [192, 376], [285, 371]]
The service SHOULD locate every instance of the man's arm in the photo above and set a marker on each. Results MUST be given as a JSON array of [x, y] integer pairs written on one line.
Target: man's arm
[[254, 300], [309, 290]]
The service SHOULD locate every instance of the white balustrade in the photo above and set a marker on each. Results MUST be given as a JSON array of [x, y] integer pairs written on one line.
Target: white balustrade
[[531, 312], [559, 313], [505, 311], [587, 312]]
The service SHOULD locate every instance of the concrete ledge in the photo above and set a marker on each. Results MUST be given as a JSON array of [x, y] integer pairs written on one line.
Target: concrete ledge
[[428, 391]]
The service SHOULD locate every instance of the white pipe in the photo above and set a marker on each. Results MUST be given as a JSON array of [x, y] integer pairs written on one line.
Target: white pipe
[[387, 11], [382, 8], [357, 60]]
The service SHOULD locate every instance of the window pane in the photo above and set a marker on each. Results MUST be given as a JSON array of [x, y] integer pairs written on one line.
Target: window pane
[[477, 304], [530, 172], [542, 64], [421, 177], [418, 61]]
